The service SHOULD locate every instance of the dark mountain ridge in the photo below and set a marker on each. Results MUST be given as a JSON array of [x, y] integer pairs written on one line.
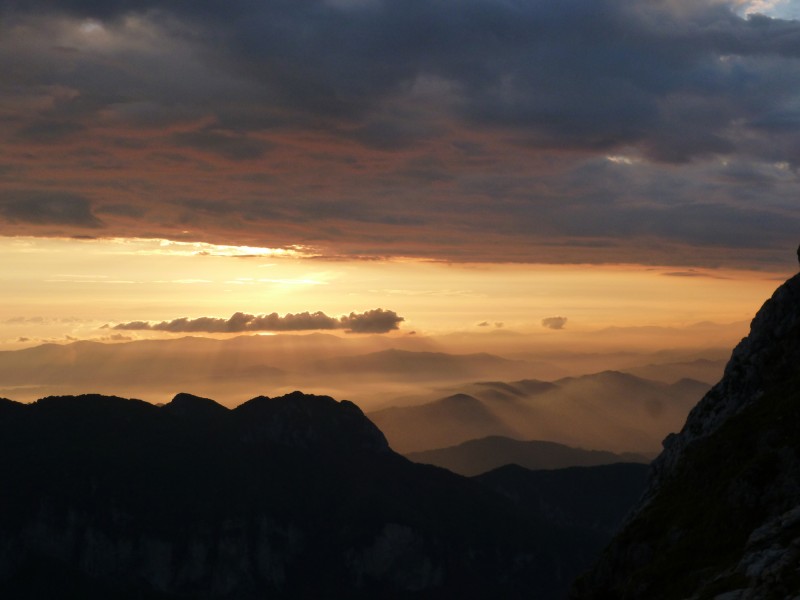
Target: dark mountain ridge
[[479, 456], [291, 497]]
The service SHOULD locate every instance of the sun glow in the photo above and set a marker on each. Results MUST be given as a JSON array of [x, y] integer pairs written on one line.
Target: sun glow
[[121, 280]]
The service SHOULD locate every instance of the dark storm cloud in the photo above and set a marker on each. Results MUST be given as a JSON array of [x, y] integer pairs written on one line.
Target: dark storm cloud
[[591, 74], [393, 133], [371, 321], [599, 202], [305, 211], [47, 208], [122, 210], [434, 115], [49, 130], [699, 223], [222, 143]]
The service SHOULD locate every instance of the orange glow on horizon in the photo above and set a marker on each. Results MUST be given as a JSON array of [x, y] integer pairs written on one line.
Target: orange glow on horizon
[[61, 287]]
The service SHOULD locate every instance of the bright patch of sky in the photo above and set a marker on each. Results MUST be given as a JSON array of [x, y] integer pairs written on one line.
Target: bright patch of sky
[[778, 9], [106, 281]]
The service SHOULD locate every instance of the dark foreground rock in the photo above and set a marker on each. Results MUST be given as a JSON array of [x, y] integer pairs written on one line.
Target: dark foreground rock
[[721, 516], [292, 497]]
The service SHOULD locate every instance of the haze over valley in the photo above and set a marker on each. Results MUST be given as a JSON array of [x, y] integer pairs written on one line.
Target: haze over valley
[[420, 396]]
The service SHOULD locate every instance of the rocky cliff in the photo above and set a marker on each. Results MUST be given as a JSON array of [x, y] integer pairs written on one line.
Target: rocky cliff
[[721, 516]]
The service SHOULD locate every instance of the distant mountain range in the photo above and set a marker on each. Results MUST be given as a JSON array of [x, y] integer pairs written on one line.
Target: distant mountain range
[[486, 454], [292, 497], [375, 371], [233, 367], [612, 411]]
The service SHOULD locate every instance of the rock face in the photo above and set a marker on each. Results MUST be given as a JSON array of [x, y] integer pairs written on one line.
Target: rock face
[[765, 358], [292, 497], [720, 516]]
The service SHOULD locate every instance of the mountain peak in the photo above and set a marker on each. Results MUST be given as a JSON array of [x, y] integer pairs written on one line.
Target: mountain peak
[[306, 420], [460, 400], [92, 404], [9, 405], [190, 406]]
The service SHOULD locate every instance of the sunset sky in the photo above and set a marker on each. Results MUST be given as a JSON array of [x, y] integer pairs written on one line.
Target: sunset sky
[[463, 166]]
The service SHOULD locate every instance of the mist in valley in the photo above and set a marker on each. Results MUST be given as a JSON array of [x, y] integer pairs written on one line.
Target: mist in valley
[[617, 391]]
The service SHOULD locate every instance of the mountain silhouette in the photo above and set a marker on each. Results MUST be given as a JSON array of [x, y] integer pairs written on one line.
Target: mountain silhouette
[[188, 406], [479, 456], [721, 514], [449, 420], [609, 410], [298, 496]]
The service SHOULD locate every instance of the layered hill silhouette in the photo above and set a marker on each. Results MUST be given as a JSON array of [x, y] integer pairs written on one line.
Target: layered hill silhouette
[[610, 410], [376, 371], [235, 366], [298, 496], [486, 454], [721, 515]]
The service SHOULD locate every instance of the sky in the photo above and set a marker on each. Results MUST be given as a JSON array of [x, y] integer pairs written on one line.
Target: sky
[[393, 167]]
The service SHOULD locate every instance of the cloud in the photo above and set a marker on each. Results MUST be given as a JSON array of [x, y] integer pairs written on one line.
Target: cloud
[[117, 337], [226, 144], [371, 321], [38, 320], [45, 208], [591, 74], [554, 322], [50, 130], [514, 131], [25, 321], [689, 273], [122, 210], [694, 273]]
